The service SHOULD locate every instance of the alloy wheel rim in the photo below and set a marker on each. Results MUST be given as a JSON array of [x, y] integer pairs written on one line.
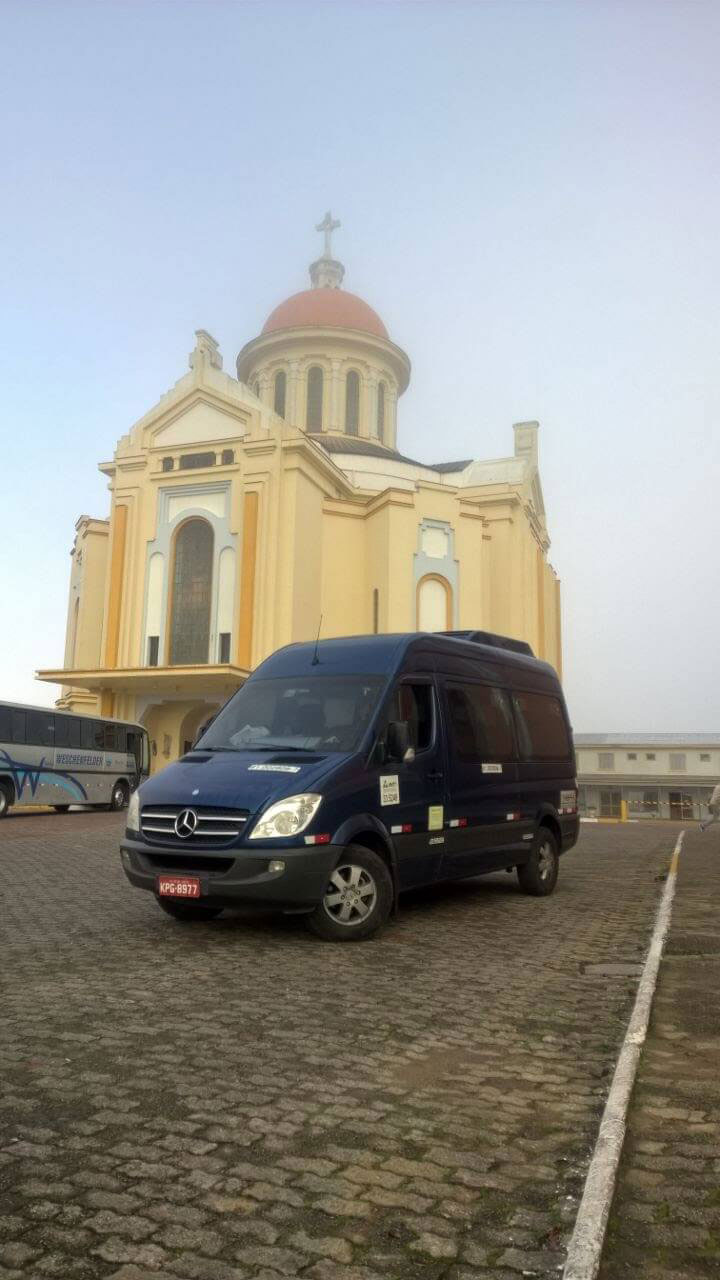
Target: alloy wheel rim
[[350, 896], [119, 798], [546, 861]]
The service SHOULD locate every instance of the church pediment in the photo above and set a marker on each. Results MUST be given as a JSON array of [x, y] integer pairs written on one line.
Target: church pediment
[[198, 422]]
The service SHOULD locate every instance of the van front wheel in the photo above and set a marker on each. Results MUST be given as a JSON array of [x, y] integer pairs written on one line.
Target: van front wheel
[[357, 899], [539, 874]]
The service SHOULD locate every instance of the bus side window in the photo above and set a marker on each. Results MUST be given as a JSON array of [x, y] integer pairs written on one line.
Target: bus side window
[[5, 723], [98, 735], [18, 726], [67, 731], [121, 738], [110, 738], [87, 734]]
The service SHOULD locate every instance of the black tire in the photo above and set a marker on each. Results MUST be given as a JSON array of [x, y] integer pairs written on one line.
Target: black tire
[[360, 889], [120, 796], [539, 874], [187, 912], [6, 799], [61, 808]]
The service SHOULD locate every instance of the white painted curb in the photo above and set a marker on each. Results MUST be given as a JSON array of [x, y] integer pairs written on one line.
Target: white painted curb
[[585, 1248]]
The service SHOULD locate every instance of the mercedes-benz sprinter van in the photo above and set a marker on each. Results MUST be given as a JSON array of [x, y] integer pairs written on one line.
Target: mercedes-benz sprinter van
[[344, 772]]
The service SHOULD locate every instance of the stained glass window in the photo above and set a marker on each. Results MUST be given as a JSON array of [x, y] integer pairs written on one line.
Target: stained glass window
[[352, 402], [191, 592]]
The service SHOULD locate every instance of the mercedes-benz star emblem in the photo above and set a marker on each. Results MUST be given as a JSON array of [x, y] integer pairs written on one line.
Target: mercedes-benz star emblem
[[185, 824]]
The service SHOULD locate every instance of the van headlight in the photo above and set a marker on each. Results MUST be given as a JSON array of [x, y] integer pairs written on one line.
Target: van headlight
[[286, 817], [132, 820]]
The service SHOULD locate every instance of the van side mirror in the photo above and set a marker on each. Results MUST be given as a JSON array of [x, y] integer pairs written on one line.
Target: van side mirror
[[397, 742]]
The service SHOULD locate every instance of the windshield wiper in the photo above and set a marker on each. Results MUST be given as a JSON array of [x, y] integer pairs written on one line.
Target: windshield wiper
[[264, 747], [221, 748]]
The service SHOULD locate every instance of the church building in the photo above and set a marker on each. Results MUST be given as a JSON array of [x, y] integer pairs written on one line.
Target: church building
[[244, 510]]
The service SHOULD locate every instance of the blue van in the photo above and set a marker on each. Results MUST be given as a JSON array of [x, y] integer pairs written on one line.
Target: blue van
[[344, 772]]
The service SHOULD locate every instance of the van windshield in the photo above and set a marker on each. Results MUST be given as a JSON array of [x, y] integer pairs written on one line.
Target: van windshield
[[323, 713]]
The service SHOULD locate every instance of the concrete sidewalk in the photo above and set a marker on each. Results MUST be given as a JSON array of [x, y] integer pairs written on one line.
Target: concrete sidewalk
[[665, 1221]]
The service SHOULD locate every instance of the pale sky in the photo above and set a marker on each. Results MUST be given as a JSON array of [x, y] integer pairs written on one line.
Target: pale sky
[[529, 195]]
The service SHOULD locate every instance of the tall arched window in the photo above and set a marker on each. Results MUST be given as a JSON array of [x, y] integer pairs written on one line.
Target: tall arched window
[[381, 411], [256, 388], [191, 593], [280, 388], [434, 604], [314, 399], [352, 402]]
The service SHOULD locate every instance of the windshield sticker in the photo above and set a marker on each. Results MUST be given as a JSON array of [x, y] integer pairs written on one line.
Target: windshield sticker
[[492, 768], [273, 768], [435, 817], [389, 788]]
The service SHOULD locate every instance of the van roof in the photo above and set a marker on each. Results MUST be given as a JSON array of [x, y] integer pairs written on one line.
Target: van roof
[[378, 654]]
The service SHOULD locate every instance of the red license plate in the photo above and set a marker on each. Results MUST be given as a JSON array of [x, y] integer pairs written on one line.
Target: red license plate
[[177, 886]]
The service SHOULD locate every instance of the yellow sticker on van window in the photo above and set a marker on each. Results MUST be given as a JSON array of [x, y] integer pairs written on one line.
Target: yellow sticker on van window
[[435, 817]]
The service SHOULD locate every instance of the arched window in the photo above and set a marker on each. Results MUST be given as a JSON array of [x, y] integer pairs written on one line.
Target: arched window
[[314, 399], [280, 387], [381, 411], [191, 593], [256, 388], [434, 604], [352, 402]]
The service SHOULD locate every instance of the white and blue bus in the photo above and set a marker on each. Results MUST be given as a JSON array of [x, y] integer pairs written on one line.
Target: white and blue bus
[[50, 757]]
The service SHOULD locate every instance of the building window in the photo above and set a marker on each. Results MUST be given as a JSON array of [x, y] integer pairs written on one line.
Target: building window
[[606, 760], [224, 647], [167, 464], [280, 389], [632, 755], [610, 804], [191, 461], [153, 650], [434, 604], [376, 611], [678, 761], [705, 755], [381, 411], [352, 402], [649, 755], [227, 457], [256, 388], [314, 399], [644, 803], [191, 592]]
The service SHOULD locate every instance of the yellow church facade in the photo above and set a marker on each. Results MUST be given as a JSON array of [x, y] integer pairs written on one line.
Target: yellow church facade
[[252, 511]]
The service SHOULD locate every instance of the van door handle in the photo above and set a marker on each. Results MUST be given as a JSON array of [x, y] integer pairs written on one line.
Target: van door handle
[[434, 776]]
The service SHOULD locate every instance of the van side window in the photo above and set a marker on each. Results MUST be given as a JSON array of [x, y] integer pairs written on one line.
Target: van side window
[[542, 731], [414, 704], [480, 722]]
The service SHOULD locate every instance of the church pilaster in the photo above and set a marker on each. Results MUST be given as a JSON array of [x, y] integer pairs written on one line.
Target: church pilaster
[[294, 407]]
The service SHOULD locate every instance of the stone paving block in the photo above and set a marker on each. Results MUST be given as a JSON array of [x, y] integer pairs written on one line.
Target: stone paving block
[[215, 1113]]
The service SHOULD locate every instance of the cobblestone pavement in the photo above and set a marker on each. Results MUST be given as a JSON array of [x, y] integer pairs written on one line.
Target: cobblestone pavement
[[665, 1223], [241, 1101]]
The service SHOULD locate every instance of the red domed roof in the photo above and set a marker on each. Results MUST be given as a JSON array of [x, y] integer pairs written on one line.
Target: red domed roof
[[325, 309]]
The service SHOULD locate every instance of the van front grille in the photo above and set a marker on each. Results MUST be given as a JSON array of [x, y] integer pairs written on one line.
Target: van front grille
[[187, 826]]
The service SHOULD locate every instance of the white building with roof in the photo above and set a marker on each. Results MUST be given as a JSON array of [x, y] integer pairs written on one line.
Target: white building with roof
[[646, 775]]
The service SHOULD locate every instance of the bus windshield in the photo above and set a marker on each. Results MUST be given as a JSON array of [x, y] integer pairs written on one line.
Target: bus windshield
[[323, 713]]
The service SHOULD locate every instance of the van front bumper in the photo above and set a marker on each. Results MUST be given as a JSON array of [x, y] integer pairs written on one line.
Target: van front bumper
[[247, 879]]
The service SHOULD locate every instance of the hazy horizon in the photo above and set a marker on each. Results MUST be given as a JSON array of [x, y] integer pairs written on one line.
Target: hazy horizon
[[529, 197]]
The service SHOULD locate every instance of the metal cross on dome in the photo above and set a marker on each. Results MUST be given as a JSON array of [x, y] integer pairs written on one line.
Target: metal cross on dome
[[328, 225]]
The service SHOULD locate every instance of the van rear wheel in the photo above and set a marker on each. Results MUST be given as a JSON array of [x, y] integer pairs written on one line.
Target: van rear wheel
[[539, 874], [357, 899]]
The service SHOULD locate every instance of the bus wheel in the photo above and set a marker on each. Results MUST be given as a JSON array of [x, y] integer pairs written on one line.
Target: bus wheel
[[357, 900], [187, 911], [539, 874], [61, 808], [119, 797], [6, 799]]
